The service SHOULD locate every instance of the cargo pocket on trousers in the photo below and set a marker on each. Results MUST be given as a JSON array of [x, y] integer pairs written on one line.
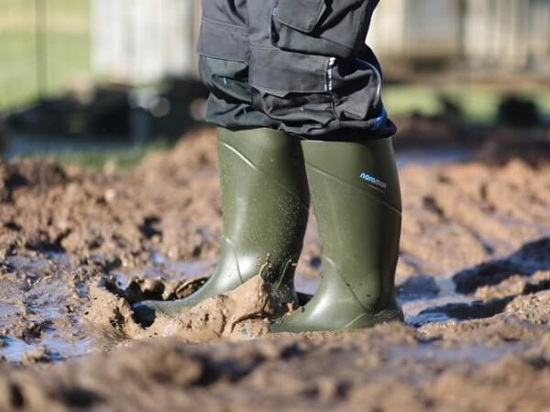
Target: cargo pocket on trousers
[[356, 92], [312, 26], [224, 30], [226, 79], [301, 15], [290, 88]]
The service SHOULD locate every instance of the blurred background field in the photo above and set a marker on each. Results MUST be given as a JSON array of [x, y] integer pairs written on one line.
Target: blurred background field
[[44, 48], [90, 81], [130, 207]]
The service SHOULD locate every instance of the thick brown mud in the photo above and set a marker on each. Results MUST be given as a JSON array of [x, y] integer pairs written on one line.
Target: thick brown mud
[[77, 249]]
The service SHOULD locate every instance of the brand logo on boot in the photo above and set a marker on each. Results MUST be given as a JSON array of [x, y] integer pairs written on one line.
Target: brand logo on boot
[[373, 180]]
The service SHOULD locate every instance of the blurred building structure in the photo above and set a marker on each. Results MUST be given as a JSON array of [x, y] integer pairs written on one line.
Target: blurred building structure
[[145, 40], [48, 46], [483, 34]]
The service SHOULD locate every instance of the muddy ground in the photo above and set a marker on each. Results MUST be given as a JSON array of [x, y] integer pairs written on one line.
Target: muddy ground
[[474, 281]]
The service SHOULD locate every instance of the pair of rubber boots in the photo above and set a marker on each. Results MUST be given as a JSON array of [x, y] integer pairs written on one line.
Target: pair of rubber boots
[[265, 202]]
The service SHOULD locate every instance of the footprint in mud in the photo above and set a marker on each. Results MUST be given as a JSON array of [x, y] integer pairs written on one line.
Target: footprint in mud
[[532, 257], [492, 288], [240, 314]]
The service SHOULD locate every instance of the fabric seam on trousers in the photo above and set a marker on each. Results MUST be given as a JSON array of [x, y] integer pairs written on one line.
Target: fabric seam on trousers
[[326, 40], [316, 73], [317, 16], [223, 41], [241, 29], [205, 54], [330, 65]]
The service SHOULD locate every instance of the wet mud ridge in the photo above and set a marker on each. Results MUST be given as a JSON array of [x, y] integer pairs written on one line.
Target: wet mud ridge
[[77, 249]]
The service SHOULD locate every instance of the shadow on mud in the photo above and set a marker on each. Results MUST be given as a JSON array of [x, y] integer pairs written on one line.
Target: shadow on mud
[[532, 257], [482, 291]]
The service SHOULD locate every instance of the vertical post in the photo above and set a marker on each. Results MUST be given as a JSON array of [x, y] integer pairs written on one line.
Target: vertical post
[[462, 16], [523, 34], [407, 31], [197, 14], [41, 47]]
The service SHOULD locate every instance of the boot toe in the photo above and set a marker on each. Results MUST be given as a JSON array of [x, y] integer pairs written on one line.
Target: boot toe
[[288, 324], [278, 327]]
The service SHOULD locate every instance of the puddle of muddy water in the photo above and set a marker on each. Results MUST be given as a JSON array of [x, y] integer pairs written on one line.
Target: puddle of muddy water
[[43, 292], [39, 309], [42, 304], [40, 292], [57, 348], [14, 349], [410, 157], [165, 270], [421, 308]]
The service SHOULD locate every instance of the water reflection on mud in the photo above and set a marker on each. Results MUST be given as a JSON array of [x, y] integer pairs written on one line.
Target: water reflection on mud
[[41, 315]]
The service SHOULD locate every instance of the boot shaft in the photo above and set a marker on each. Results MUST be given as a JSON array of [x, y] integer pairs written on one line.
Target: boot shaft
[[357, 200], [265, 206]]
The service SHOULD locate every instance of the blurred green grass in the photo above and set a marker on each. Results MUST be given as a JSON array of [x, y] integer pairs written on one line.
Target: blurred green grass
[[68, 43], [68, 64], [67, 39], [121, 160], [478, 103]]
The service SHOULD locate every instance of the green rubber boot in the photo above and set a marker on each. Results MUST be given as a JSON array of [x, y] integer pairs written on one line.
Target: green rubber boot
[[265, 205], [357, 200]]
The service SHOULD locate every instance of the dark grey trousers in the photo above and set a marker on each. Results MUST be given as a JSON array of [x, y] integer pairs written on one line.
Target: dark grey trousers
[[300, 66]]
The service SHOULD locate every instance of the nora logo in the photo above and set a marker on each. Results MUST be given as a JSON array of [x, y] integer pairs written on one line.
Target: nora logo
[[373, 180]]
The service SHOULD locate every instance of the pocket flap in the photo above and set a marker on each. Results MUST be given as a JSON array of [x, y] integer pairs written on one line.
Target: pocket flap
[[301, 15]]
